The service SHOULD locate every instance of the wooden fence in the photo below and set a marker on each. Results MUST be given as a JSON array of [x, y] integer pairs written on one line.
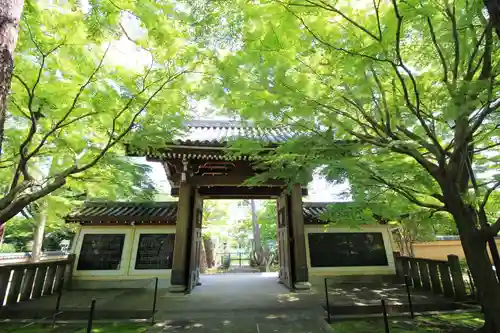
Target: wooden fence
[[25, 281], [443, 277], [24, 257]]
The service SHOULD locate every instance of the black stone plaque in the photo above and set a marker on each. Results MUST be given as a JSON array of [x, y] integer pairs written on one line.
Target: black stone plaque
[[101, 252], [347, 249], [155, 251]]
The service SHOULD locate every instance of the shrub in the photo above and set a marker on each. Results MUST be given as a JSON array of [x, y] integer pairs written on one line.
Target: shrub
[[7, 248]]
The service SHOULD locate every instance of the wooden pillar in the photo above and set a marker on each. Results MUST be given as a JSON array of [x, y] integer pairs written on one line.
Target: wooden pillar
[[435, 281], [444, 272], [4, 282], [27, 286], [406, 269], [300, 271], [58, 278], [178, 280], [15, 286], [398, 263], [415, 275], [49, 280], [39, 279], [424, 274], [68, 270], [457, 277]]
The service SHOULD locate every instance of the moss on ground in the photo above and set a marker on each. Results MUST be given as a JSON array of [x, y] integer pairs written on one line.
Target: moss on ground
[[442, 323], [104, 328]]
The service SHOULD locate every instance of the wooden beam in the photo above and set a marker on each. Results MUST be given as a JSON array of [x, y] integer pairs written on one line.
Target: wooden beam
[[166, 167], [246, 192], [229, 180]]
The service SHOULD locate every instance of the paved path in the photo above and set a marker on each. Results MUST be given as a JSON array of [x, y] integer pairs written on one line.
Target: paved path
[[293, 322], [243, 303], [252, 302], [242, 292]]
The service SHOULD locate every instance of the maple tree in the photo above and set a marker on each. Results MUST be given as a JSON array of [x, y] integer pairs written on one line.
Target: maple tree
[[74, 97], [402, 93]]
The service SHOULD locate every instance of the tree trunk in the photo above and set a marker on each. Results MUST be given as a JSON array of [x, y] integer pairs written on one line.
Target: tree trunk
[[203, 259], [484, 278], [256, 234], [255, 229], [10, 15], [40, 217], [478, 260], [209, 251], [493, 7], [2, 233]]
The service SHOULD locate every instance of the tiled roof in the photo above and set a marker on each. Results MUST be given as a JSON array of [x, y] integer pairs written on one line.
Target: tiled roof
[[109, 211], [220, 132], [126, 212]]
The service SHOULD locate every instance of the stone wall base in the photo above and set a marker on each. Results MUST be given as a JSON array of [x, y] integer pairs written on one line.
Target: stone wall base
[[120, 284]]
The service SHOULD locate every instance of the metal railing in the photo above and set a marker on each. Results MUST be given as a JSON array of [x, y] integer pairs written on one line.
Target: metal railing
[[93, 311], [383, 301]]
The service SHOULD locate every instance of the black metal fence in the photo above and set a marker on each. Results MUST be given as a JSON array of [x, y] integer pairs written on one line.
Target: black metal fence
[[62, 314], [237, 259], [444, 279], [387, 307]]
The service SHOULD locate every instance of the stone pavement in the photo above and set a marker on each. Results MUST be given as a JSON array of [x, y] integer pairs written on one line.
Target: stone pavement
[[258, 292], [242, 303], [292, 322], [251, 302]]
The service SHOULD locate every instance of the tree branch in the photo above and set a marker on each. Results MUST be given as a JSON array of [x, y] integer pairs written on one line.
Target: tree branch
[[478, 150], [471, 70], [414, 108], [324, 5], [384, 101], [61, 121], [488, 193], [325, 43], [404, 192], [112, 142], [456, 40], [376, 7], [494, 228], [21, 201], [438, 49]]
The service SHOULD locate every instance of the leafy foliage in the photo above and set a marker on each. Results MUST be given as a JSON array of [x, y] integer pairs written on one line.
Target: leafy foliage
[[268, 217], [75, 98], [119, 180], [399, 95]]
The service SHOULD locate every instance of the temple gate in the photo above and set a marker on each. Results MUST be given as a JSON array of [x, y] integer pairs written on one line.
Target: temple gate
[[123, 244], [199, 165]]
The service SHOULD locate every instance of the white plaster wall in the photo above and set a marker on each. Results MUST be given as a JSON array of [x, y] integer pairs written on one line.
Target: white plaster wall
[[356, 270], [127, 276]]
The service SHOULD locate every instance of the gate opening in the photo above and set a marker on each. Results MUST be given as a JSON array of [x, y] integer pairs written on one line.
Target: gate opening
[[239, 236]]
